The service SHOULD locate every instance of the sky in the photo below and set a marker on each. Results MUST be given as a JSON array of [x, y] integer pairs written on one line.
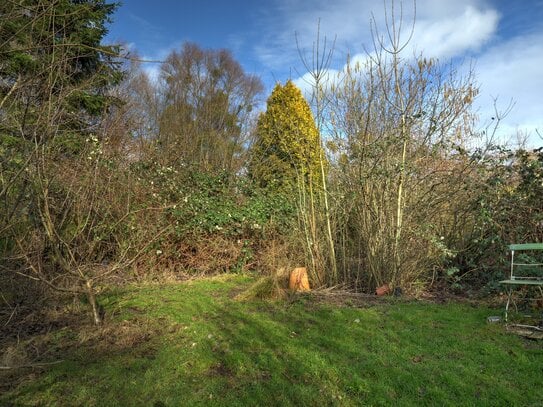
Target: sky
[[501, 39]]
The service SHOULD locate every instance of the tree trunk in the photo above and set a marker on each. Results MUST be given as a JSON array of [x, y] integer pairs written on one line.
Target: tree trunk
[[91, 295]]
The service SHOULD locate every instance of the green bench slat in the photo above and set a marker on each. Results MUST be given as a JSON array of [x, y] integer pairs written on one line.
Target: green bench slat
[[526, 246], [522, 282]]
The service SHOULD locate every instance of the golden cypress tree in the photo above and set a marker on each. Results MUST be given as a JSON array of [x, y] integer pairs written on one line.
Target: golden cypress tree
[[287, 148]]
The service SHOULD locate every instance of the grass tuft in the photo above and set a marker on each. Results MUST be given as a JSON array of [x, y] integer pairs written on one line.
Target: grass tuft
[[273, 286]]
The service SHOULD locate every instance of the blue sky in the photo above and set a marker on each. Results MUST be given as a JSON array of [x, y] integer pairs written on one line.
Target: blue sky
[[504, 38]]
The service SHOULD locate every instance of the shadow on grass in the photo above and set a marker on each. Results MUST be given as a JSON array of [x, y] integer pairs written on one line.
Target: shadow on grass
[[197, 346]]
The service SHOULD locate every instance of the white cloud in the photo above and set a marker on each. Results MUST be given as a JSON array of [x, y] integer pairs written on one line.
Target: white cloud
[[454, 35], [345, 19], [152, 71], [443, 28], [509, 71], [306, 82]]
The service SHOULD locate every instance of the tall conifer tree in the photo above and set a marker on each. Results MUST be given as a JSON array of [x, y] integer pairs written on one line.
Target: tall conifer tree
[[287, 148]]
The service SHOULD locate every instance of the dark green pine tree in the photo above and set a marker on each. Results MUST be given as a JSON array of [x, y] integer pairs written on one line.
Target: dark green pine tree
[[54, 80], [54, 71]]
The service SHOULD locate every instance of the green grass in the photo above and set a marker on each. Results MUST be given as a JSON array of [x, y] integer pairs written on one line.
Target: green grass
[[192, 344]]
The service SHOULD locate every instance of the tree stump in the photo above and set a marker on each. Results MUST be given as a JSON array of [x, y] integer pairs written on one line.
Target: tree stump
[[383, 290], [298, 279]]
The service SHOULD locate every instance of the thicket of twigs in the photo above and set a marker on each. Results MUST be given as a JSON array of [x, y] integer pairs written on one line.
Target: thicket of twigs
[[108, 177]]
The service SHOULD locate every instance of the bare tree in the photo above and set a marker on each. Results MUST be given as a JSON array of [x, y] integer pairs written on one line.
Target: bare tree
[[317, 65], [399, 124], [207, 103]]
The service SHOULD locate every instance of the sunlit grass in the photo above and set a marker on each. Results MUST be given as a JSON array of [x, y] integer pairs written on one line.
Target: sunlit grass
[[204, 348]]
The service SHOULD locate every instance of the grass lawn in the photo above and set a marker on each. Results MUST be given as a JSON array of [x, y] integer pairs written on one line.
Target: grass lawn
[[192, 344]]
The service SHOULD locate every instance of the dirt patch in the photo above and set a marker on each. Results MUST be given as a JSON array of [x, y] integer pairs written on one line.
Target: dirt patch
[[346, 298], [28, 323], [115, 337], [343, 298], [220, 370]]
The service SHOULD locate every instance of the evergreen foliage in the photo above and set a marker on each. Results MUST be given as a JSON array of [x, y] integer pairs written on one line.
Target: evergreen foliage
[[54, 72], [55, 79], [287, 150]]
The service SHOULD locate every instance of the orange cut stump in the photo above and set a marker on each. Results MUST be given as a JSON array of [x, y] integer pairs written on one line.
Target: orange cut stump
[[383, 290], [298, 279]]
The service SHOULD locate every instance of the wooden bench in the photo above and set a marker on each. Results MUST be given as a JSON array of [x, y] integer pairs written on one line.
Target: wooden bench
[[533, 278]]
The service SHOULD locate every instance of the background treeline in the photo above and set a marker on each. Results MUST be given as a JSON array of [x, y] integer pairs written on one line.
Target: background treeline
[[108, 176]]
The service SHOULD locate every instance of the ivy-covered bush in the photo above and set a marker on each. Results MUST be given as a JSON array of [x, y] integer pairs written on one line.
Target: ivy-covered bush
[[205, 203], [219, 221], [507, 209]]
